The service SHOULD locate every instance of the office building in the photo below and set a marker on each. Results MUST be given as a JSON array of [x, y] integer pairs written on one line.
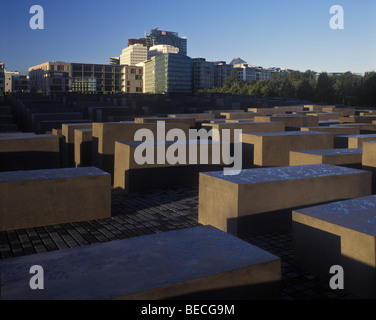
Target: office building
[[203, 74], [114, 60], [16, 82], [157, 37], [149, 77], [247, 72], [133, 55], [173, 73], [142, 41], [160, 49], [222, 71], [85, 78], [50, 77], [168, 72]]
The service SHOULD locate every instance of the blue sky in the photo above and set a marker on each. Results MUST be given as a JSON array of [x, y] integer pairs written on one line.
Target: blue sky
[[289, 34]]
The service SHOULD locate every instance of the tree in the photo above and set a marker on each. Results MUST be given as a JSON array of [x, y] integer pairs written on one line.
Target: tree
[[305, 90], [324, 92], [369, 89], [347, 88], [286, 89]]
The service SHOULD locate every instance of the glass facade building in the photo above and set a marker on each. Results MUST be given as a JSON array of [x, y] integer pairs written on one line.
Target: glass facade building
[[203, 74], [96, 77], [85, 78], [172, 73], [157, 37]]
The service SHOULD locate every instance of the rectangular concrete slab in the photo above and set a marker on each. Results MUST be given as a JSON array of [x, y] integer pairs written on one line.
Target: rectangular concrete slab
[[189, 121], [193, 115], [245, 127], [339, 234], [29, 152], [266, 111], [36, 198], [369, 154], [326, 115], [333, 129], [290, 120], [239, 115], [362, 126], [105, 135], [133, 176], [250, 202], [68, 141], [349, 157], [273, 148], [353, 141], [194, 263], [83, 147], [345, 111], [357, 119]]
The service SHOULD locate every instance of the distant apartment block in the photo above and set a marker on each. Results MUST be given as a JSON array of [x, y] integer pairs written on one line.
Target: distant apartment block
[[248, 72], [157, 37], [16, 82], [222, 71], [85, 78], [134, 55], [50, 77]]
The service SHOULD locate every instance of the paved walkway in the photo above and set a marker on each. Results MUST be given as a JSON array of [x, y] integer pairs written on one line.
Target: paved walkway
[[152, 212]]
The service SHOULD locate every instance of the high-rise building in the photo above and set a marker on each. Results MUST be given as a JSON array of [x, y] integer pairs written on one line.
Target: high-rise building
[[133, 55], [115, 60], [203, 74], [168, 72], [161, 48], [173, 73], [157, 37], [149, 75], [142, 41]]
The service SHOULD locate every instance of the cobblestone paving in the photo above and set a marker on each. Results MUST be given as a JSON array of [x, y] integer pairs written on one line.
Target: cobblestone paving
[[153, 212]]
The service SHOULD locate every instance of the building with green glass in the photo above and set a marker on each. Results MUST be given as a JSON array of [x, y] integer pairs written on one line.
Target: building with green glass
[[172, 73]]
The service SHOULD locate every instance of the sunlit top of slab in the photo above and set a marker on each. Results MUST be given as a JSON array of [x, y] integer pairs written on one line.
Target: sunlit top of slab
[[333, 152], [261, 175], [356, 214]]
